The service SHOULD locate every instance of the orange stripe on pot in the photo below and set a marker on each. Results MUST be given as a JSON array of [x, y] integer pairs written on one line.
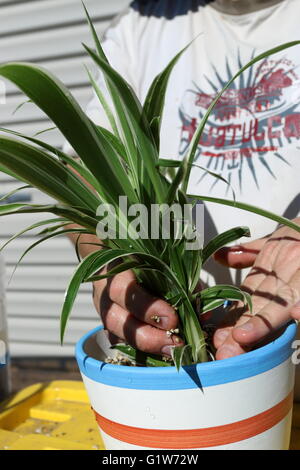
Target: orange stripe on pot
[[198, 438]]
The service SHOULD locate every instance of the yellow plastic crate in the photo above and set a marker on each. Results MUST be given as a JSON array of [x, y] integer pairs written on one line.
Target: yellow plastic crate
[[51, 416], [57, 416]]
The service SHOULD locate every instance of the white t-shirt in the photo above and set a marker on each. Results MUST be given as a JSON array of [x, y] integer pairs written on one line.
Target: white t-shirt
[[252, 137]]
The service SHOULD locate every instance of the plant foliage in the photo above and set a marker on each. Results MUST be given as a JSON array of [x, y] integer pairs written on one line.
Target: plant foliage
[[124, 162]]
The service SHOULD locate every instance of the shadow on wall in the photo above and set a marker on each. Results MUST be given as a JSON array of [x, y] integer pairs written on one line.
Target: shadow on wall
[[167, 8]]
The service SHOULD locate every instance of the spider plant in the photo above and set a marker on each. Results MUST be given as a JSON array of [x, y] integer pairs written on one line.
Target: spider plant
[[124, 162]]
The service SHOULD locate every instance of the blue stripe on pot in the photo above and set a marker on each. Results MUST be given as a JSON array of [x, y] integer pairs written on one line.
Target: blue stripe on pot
[[189, 377]]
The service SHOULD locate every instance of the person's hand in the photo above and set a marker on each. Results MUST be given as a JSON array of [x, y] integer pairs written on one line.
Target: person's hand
[[273, 282], [132, 315]]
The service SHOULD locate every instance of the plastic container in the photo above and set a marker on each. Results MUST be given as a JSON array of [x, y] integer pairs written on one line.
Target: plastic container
[[53, 416]]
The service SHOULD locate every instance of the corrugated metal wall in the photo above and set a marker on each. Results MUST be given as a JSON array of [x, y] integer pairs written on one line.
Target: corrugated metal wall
[[48, 32]]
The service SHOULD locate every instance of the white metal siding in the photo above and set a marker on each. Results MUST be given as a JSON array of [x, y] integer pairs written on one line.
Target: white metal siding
[[48, 32]]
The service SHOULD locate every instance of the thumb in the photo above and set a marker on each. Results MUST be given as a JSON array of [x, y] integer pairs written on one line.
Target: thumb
[[240, 256]]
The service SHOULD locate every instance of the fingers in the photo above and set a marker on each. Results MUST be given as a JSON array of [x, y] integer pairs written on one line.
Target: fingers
[[271, 315], [274, 284], [252, 282], [229, 349], [260, 283], [295, 311], [240, 256], [220, 336], [133, 315], [275, 302], [144, 337], [125, 292], [227, 346], [274, 314]]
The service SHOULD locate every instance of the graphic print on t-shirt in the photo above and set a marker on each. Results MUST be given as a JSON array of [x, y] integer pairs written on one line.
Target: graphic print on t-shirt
[[255, 118]]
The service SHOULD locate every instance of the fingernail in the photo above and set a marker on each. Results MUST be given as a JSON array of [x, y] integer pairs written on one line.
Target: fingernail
[[222, 335], [177, 340], [164, 322], [245, 327], [206, 316], [227, 351], [167, 350], [235, 249]]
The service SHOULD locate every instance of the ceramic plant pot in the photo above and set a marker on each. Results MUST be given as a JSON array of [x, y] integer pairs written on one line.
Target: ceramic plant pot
[[243, 402], [297, 362], [4, 357]]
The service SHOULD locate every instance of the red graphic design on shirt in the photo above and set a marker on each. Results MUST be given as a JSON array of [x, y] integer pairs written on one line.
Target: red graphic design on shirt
[[254, 118]]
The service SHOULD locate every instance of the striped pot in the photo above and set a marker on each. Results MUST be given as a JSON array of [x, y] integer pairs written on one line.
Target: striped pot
[[4, 358], [243, 402], [297, 362]]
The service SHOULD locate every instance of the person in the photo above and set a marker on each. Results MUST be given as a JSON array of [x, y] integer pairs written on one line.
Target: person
[[251, 139]]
